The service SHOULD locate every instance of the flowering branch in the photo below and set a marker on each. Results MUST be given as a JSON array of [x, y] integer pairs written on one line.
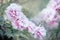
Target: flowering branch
[[21, 22]]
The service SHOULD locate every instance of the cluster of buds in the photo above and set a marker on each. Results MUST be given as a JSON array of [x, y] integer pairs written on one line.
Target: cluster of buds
[[20, 21]]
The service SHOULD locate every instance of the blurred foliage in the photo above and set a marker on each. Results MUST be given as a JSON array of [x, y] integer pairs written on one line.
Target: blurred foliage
[[54, 34]]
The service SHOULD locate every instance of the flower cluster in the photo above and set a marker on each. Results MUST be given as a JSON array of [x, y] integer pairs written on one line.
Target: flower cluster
[[50, 14], [21, 22], [17, 18]]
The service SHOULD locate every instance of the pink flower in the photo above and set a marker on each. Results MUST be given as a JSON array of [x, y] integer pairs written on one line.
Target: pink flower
[[37, 31], [40, 32], [50, 17], [16, 16], [53, 8], [20, 21]]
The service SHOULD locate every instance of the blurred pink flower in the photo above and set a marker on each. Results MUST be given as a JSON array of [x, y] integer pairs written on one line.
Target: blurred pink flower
[[20, 21], [15, 15], [40, 32], [50, 16], [37, 31]]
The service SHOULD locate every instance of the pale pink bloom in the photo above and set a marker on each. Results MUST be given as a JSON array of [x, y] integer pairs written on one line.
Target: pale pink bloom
[[40, 32], [20, 21], [15, 15], [37, 31], [50, 17], [12, 10], [50, 14]]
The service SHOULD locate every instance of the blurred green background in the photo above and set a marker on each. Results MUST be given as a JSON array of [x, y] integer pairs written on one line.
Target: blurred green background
[[34, 6]]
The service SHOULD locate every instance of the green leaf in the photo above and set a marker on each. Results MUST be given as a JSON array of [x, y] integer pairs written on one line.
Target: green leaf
[[1, 21]]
